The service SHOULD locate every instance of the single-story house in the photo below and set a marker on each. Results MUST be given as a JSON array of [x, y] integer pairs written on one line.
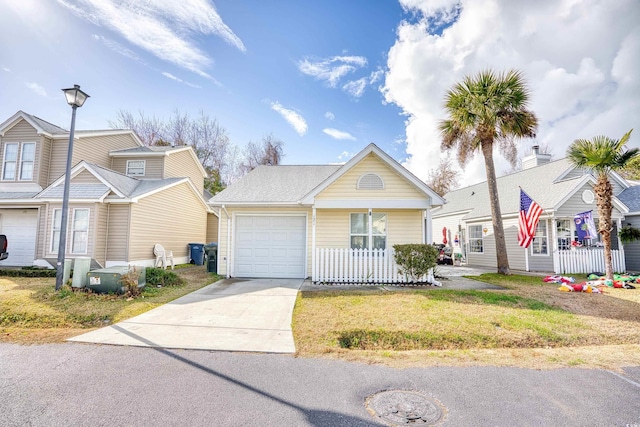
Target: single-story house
[[124, 196], [310, 220], [561, 190], [631, 198]]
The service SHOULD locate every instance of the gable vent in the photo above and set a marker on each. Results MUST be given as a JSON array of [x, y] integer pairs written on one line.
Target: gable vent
[[370, 181]]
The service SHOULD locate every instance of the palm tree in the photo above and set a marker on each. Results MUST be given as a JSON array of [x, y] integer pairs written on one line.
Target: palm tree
[[485, 110], [602, 155]]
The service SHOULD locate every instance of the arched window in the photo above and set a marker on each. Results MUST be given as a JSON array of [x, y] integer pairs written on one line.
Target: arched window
[[370, 181]]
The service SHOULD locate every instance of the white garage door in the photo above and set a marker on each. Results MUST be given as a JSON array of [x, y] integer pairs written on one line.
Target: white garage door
[[20, 226], [270, 246]]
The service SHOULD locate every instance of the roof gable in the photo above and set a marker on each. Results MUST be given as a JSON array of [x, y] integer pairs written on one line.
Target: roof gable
[[385, 159], [42, 127]]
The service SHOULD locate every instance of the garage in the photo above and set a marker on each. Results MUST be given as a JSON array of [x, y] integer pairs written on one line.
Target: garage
[[270, 246], [20, 226]]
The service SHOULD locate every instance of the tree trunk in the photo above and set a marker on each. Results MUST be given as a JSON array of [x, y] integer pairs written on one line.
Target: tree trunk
[[498, 231], [604, 193]]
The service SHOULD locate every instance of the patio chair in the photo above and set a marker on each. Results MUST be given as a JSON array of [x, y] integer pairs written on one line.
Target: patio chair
[[163, 256]]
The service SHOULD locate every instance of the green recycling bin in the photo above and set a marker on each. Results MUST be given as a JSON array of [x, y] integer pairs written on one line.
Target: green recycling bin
[[211, 251]]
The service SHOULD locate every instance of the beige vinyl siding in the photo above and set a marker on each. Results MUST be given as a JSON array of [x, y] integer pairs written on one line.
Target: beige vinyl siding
[[100, 246], [212, 228], [222, 239], [90, 234], [41, 239], [93, 149], [22, 132], [117, 237], [152, 166], [182, 164], [44, 160], [179, 218], [632, 250], [575, 205], [85, 177], [395, 186]]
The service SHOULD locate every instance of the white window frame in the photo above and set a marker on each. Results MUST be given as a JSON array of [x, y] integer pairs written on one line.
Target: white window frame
[[74, 230], [370, 233], [15, 161], [473, 238], [540, 243], [567, 236], [55, 243], [22, 161], [130, 167]]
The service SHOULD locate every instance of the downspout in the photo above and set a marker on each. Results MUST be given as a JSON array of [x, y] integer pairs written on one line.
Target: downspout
[[228, 241], [313, 245], [428, 226]]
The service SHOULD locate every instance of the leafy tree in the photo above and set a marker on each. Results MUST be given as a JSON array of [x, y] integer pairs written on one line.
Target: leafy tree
[[632, 170], [269, 151], [602, 155], [444, 178], [483, 111]]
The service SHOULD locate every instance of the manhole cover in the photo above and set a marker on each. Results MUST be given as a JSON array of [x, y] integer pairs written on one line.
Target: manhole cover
[[402, 407]]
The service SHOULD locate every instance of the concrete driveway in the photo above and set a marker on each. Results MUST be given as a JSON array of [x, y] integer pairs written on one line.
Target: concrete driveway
[[229, 315]]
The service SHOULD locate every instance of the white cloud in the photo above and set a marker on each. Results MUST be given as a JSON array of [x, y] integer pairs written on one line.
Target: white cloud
[[345, 155], [331, 70], [117, 47], [338, 134], [36, 88], [179, 80], [583, 83], [356, 88], [329, 115], [7, 69], [164, 28], [297, 122]]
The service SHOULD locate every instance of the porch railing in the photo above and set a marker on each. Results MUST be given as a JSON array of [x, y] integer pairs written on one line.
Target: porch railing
[[586, 261], [334, 265]]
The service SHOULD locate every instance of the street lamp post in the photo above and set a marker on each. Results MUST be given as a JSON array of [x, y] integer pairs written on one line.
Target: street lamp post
[[75, 98]]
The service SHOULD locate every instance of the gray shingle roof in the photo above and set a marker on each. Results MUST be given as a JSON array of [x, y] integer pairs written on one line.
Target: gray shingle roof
[[46, 126], [537, 182], [147, 185], [76, 191], [151, 149], [123, 183], [17, 195], [275, 184], [631, 198]]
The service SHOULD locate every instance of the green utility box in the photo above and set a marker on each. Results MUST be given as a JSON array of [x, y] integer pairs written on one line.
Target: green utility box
[[211, 251], [109, 280]]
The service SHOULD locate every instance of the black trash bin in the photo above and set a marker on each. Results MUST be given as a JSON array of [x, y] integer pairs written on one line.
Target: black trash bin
[[196, 253], [211, 250]]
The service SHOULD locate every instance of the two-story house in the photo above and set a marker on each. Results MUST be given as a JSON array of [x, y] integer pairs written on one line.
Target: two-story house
[[124, 196]]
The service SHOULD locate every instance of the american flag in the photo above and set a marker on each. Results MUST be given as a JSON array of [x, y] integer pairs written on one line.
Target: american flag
[[530, 213]]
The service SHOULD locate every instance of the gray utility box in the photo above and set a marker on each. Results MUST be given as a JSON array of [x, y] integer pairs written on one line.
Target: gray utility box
[[109, 280]]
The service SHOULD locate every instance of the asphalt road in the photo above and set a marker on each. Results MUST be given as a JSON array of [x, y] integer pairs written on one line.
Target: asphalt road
[[82, 384]]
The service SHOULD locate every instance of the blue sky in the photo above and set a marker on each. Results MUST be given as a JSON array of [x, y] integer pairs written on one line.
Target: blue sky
[[325, 76]]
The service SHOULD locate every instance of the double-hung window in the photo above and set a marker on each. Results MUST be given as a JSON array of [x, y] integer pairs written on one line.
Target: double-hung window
[[135, 167], [80, 231], [10, 161], [476, 244], [364, 237], [540, 246], [27, 157], [563, 234]]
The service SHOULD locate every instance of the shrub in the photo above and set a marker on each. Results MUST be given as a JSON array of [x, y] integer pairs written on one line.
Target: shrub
[[159, 276], [28, 272], [415, 260], [130, 283], [629, 234]]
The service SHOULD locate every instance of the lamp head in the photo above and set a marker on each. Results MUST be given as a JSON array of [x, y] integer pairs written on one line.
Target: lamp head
[[75, 96]]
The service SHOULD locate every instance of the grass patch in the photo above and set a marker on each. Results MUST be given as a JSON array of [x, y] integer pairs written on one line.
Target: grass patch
[[530, 323], [32, 311]]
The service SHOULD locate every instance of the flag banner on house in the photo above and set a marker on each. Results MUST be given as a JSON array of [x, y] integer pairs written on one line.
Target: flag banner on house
[[528, 219], [585, 226]]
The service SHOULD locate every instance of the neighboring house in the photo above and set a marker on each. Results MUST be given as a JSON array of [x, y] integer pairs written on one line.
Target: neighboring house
[[561, 190], [124, 197], [275, 221], [631, 198]]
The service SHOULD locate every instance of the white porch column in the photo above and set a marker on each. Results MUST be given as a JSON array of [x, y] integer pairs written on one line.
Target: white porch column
[[428, 235], [314, 267]]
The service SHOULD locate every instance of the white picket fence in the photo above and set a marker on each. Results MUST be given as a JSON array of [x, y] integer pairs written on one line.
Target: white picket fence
[[358, 266], [586, 261]]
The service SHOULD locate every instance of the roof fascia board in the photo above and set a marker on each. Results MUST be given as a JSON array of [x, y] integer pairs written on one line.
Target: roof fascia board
[[373, 204], [258, 204], [435, 199], [139, 154], [585, 179], [434, 212], [4, 202]]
